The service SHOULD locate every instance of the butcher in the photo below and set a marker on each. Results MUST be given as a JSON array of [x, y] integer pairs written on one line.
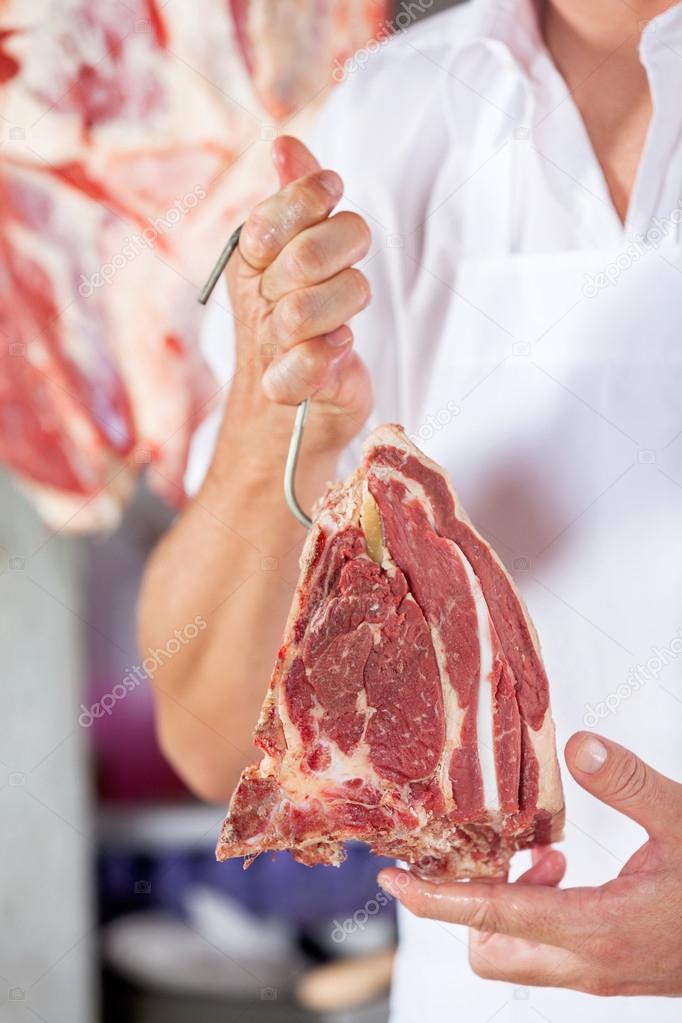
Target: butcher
[[482, 242]]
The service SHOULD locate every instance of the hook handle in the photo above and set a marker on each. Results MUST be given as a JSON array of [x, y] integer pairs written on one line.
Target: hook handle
[[217, 270], [301, 411]]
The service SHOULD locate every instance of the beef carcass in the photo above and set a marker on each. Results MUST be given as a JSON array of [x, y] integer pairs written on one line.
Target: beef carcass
[[409, 706], [136, 136], [291, 55]]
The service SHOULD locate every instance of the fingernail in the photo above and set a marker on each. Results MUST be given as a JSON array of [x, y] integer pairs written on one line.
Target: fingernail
[[338, 338], [386, 883], [331, 183], [394, 884], [591, 755]]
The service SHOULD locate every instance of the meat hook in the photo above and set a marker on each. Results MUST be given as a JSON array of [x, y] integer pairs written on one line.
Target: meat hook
[[301, 411]]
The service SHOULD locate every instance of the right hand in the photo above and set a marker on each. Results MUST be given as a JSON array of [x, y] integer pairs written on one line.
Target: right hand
[[621, 938], [293, 288]]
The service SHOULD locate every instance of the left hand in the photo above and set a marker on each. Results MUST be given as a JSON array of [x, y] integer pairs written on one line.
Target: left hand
[[624, 938]]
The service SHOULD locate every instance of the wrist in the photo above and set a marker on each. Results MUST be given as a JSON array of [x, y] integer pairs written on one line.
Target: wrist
[[260, 428], [254, 444]]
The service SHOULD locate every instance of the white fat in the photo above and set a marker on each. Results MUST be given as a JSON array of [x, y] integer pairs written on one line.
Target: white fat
[[550, 795], [484, 712], [344, 767], [370, 523], [454, 715]]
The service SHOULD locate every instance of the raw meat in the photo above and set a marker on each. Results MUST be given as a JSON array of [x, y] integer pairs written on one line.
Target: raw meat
[[290, 54], [409, 706], [135, 137]]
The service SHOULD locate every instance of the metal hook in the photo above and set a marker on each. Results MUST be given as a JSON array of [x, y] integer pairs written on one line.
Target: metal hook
[[292, 460], [301, 411], [217, 270]]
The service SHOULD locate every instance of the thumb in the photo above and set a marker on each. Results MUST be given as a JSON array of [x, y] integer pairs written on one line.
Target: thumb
[[620, 779], [292, 159]]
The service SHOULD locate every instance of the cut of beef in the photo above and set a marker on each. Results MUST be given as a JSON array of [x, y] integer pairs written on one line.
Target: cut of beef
[[409, 705]]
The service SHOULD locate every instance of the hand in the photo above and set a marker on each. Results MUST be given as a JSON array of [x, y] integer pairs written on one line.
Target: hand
[[293, 289], [624, 938]]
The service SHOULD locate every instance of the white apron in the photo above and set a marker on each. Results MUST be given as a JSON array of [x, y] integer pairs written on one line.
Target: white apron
[[555, 404], [557, 409]]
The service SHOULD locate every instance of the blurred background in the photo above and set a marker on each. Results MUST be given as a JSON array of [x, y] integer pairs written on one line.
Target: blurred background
[[133, 137]]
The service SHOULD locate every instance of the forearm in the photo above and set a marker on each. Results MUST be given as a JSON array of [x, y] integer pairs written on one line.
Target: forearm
[[231, 559]]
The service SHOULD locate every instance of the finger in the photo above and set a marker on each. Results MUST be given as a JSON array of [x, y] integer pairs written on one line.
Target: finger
[[538, 851], [498, 957], [292, 159], [620, 779], [301, 372], [278, 219], [548, 869], [347, 389], [547, 915], [316, 254], [320, 309]]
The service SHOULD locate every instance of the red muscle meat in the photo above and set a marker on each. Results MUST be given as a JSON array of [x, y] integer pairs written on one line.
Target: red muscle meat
[[409, 706]]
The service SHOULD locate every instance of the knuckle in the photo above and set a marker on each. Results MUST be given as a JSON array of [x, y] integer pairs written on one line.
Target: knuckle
[[307, 370], [359, 288], [606, 946], [305, 365], [310, 197], [257, 238], [485, 918], [292, 311], [418, 909], [483, 966], [275, 383], [360, 230], [629, 778], [602, 987], [293, 376], [601, 949], [307, 258]]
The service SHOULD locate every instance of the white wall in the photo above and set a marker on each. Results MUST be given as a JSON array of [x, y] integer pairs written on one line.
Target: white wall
[[46, 934]]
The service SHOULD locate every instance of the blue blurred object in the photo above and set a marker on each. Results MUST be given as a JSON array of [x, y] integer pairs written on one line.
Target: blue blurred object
[[282, 887], [277, 887]]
